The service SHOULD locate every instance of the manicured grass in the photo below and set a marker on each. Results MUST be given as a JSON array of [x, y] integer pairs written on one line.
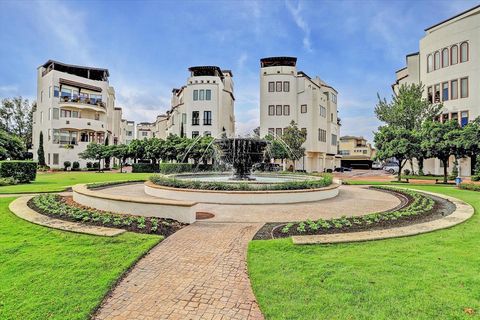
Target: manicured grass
[[50, 274], [430, 276], [59, 181]]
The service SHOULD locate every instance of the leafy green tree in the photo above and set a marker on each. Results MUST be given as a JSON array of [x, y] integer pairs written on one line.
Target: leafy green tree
[[154, 149], [121, 152], [294, 138], [396, 142], [95, 151], [276, 149], [40, 151], [137, 149], [201, 150], [170, 147], [11, 146], [16, 117]]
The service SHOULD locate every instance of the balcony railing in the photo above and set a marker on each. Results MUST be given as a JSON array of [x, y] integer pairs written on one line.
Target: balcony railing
[[93, 102]]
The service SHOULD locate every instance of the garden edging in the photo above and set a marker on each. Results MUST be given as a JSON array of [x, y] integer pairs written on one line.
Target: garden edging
[[462, 213]]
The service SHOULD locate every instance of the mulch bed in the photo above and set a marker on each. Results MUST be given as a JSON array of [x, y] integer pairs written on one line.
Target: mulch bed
[[441, 209]]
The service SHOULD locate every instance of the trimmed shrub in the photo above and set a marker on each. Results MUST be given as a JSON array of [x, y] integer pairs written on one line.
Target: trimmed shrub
[[168, 168], [476, 178], [470, 186], [7, 181], [22, 171], [145, 168], [406, 172], [89, 165], [66, 165], [75, 166]]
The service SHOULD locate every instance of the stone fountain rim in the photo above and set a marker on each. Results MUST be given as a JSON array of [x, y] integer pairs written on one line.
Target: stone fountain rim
[[261, 174]]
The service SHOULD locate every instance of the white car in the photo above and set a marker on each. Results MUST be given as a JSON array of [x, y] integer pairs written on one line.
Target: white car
[[376, 165], [391, 167]]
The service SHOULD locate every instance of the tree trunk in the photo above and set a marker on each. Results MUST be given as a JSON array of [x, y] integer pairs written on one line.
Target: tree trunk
[[399, 174], [121, 165], [445, 173]]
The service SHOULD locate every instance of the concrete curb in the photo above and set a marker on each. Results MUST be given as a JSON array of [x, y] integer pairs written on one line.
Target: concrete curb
[[463, 212], [20, 208]]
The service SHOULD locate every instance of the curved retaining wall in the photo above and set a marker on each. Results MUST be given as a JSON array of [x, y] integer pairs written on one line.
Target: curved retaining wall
[[242, 197], [182, 211]]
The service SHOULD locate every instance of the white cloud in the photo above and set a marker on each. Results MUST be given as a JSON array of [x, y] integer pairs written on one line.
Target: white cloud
[[296, 12]]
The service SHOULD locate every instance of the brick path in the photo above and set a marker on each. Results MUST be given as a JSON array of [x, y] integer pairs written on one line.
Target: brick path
[[199, 272]]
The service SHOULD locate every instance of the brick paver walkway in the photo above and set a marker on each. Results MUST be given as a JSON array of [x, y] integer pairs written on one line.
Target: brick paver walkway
[[199, 272]]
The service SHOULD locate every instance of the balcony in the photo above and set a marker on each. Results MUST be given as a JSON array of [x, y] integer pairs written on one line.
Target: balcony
[[79, 124], [82, 103]]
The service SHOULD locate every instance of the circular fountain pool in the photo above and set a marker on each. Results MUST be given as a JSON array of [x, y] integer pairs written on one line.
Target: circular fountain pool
[[259, 178]]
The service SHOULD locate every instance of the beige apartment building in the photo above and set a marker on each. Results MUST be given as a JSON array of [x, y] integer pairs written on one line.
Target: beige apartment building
[[75, 106], [356, 152], [288, 95], [448, 65]]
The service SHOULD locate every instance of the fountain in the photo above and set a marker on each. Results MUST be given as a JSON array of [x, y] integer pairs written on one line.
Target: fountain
[[242, 154]]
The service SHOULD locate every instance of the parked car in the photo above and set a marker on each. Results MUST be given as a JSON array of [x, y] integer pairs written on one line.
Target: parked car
[[342, 169], [391, 167], [377, 165]]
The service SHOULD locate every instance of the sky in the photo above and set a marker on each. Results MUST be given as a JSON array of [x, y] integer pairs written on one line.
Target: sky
[[355, 46]]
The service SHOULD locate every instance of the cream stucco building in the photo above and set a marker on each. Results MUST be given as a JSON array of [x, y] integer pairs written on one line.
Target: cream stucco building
[[288, 95], [75, 106], [356, 152], [448, 65]]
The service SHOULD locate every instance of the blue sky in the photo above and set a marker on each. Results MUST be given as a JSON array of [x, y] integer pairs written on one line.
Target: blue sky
[[355, 46]]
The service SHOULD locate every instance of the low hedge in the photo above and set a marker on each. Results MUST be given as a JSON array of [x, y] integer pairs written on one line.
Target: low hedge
[[145, 168], [20, 170], [241, 186], [470, 186], [168, 168]]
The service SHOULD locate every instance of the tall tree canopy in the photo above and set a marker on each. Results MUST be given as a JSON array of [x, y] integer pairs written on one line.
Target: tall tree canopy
[[16, 117], [294, 138]]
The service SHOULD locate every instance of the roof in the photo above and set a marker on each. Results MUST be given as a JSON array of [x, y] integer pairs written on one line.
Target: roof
[[278, 61], [206, 71], [92, 73], [451, 18], [323, 84], [352, 137]]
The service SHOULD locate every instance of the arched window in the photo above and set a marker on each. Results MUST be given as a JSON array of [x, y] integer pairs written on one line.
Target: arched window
[[437, 60], [454, 55], [464, 52], [445, 60], [429, 63]]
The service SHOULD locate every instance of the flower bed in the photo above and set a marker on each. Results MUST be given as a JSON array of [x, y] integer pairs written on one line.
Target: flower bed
[[315, 183], [64, 208], [418, 206]]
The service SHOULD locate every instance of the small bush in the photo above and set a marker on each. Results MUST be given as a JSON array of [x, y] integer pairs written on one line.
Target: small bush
[[145, 168], [7, 181], [89, 165], [22, 171], [96, 165], [470, 186], [43, 168], [66, 165], [75, 166], [476, 178], [168, 168]]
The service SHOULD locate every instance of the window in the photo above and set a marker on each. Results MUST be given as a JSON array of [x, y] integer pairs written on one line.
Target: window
[[48, 162], [464, 88], [207, 134], [66, 92], [271, 131], [144, 133], [334, 139], [50, 91], [201, 95], [303, 108], [84, 137], [323, 111], [173, 119], [208, 94], [279, 86], [333, 97], [454, 116], [445, 58], [331, 117], [454, 55], [437, 93], [437, 60], [75, 114], [430, 94], [271, 86], [454, 89], [207, 118], [286, 86], [279, 110], [429, 63], [445, 91], [41, 96], [286, 110], [271, 110], [195, 134], [195, 118], [195, 95], [184, 118], [278, 132], [56, 159], [464, 52], [322, 135], [65, 113], [464, 118], [56, 91]]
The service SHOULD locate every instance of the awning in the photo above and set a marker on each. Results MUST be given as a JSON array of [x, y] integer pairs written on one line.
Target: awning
[[80, 85]]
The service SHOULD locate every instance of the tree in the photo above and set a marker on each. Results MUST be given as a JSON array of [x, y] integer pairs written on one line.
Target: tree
[[276, 149], [40, 151], [11, 146], [256, 132], [440, 140], [170, 147], [395, 142], [154, 149], [294, 138], [469, 141], [16, 117], [121, 152], [137, 149], [95, 151], [202, 150]]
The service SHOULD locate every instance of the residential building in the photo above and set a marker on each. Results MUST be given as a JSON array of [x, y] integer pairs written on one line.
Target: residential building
[[448, 65], [146, 130], [288, 95], [356, 152], [75, 106], [127, 131]]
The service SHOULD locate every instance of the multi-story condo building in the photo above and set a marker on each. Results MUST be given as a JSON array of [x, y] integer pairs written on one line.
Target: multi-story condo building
[[146, 130], [75, 106], [204, 106], [448, 65], [288, 95], [127, 131], [356, 152]]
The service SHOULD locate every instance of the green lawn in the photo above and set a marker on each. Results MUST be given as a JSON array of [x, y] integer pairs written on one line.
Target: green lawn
[[50, 274], [430, 276], [59, 181]]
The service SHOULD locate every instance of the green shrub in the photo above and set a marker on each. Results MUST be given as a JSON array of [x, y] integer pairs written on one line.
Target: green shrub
[[66, 165], [22, 171], [168, 168], [89, 165], [7, 181], [476, 178], [145, 168], [75, 166], [470, 186]]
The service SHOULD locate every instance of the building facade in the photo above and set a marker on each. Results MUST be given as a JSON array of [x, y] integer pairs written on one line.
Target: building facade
[[448, 65], [288, 95], [75, 106], [356, 152]]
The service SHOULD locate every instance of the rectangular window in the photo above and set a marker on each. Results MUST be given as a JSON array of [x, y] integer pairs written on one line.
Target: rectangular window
[[195, 95], [207, 134], [195, 118], [207, 118], [278, 132], [279, 86], [334, 98], [201, 95], [56, 91], [445, 91], [65, 113], [144, 133], [286, 110], [334, 139], [437, 93], [464, 88], [454, 116], [56, 159], [208, 94], [464, 118], [271, 131], [454, 89], [271, 86], [430, 94], [48, 161], [331, 117], [195, 134], [303, 108], [286, 86], [322, 135], [279, 110], [66, 93], [271, 110], [323, 111], [184, 118]]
